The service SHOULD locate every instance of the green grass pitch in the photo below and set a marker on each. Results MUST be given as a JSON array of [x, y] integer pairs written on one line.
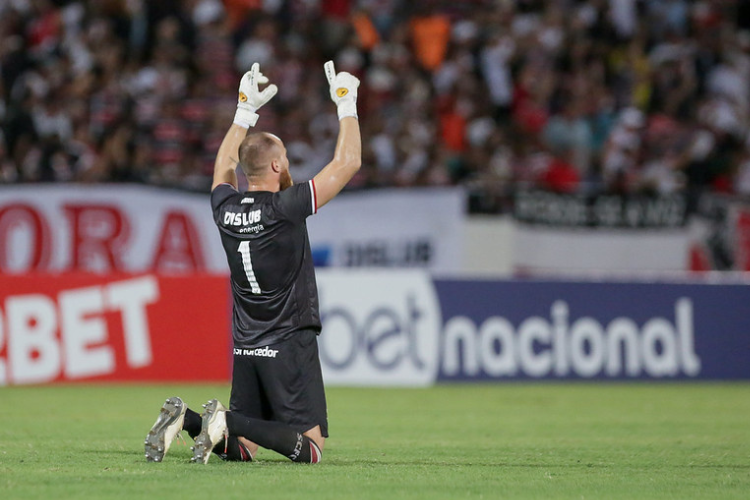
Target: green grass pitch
[[568, 441]]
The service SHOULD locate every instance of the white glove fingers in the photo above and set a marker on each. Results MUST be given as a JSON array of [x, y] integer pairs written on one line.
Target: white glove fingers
[[268, 93], [330, 71], [353, 81], [247, 79], [250, 98], [254, 74]]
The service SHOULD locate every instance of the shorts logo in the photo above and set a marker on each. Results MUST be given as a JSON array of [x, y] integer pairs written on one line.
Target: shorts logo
[[341, 91], [260, 352]]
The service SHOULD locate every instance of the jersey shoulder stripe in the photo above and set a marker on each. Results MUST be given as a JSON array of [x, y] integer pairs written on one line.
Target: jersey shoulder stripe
[[313, 196]]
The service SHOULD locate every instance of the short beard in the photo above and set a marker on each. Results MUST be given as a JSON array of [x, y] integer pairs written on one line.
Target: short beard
[[285, 180]]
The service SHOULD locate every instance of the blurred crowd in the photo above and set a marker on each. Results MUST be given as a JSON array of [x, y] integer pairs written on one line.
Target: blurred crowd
[[571, 96]]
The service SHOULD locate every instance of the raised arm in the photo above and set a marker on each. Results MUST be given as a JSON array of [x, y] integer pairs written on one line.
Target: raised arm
[[348, 155], [250, 99]]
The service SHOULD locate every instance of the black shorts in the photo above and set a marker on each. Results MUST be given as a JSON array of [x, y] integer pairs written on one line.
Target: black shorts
[[281, 382]]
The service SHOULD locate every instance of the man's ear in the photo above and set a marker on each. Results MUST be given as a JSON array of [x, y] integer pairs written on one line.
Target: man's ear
[[275, 166]]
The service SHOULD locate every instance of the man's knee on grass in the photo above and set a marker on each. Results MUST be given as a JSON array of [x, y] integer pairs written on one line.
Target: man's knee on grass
[[306, 451], [233, 450], [275, 436]]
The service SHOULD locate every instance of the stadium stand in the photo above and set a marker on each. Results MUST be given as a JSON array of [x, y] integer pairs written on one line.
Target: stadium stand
[[570, 96]]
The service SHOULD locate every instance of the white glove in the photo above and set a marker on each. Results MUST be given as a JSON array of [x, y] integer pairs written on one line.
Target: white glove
[[250, 98], [343, 87]]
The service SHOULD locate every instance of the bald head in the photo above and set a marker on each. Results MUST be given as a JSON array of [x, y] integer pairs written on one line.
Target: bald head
[[257, 151]]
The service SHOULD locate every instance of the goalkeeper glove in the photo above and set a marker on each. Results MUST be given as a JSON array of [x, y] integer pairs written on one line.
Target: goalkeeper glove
[[250, 98], [343, 88]]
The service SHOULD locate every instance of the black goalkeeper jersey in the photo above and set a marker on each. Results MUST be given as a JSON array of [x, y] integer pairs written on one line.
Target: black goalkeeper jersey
[[273, 279]]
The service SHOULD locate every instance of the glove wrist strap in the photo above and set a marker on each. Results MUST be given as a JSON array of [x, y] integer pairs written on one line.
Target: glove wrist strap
[[347, 108], [245, 117]]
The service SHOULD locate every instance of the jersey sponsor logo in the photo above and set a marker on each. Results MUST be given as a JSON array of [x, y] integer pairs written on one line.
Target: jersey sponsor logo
[[241, 218], [260, 352], [247, 200], [252, 229]]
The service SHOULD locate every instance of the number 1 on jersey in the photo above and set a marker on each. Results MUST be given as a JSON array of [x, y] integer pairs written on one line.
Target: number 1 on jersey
[[247, 264]]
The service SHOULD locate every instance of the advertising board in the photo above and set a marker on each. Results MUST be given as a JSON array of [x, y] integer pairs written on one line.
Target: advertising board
[[124, 328], [135, 229], [388, 328], [529, 330]]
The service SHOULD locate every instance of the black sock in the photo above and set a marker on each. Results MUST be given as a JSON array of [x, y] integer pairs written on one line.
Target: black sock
[[192, 423], [234, 451], [275, 436]]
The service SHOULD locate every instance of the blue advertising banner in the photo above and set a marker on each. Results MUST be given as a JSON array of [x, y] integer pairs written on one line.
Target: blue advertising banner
[[408, 328], [497, 330]]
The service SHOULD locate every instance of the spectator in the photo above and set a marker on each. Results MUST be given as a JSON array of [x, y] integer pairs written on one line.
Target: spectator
[[570, 132], [498, 95], [430, 35]]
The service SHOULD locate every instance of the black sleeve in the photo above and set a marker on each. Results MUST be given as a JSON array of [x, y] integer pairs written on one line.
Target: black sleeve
[[219, 195], [297, 202]]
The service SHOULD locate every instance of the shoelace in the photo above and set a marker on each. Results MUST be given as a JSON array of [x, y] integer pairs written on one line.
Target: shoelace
[[180, 438]]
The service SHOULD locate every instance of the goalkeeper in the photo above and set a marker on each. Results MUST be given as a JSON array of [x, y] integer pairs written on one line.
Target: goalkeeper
[[277, 399]]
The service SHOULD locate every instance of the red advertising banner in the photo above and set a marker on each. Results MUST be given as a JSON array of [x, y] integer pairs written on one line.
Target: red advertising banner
[[88, 327], [107, 229]]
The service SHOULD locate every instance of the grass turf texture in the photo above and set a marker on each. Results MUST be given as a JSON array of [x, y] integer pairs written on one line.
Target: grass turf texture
[[458, 441]]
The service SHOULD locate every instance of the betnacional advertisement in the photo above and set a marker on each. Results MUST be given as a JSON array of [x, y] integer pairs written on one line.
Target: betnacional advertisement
[[386, 328], [379, 328], [604, 331]]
